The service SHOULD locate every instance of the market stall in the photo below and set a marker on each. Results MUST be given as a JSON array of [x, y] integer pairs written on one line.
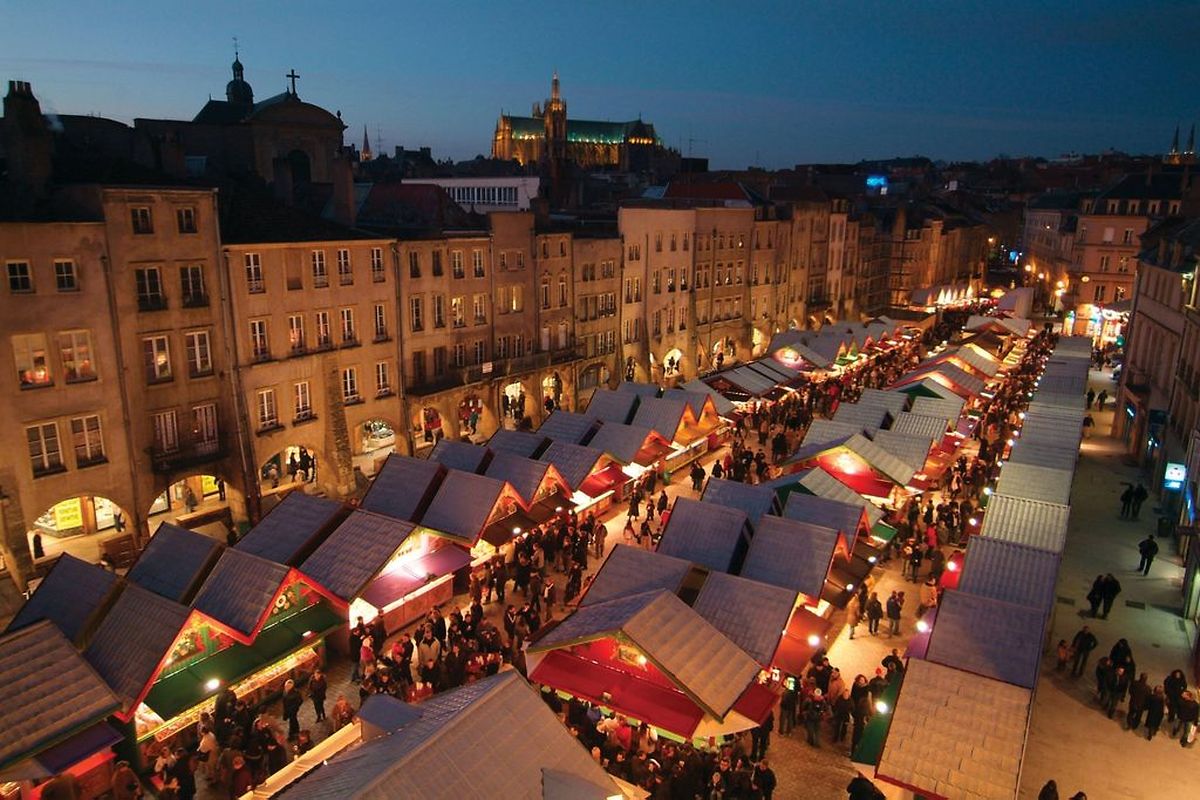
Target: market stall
[[539, 486], [638, 449], [73, 595], [752, 500], [466, 509], [675, 420], [714, 536], [859, 463], [404, 487], [175, 562], [569, 427], [595, 478], [607, 405], [462, 456], [795, 555], [518, 443], [294, 528]]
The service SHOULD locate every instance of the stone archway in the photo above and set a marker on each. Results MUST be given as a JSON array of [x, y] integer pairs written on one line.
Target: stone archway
[[79, 525], [199, 501], [374, 440]]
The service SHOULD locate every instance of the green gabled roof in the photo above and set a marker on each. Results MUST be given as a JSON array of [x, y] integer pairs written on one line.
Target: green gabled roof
[[581, 130]]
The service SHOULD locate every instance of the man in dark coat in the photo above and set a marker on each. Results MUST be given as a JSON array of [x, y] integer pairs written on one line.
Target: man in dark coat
[[1083, 645], [1108, 593], [1148, 549]]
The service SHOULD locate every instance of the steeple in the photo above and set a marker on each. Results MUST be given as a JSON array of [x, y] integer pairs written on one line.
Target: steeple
[[554, 86], [1175, 142], [237, 91], [366, 148], [1190, 150]]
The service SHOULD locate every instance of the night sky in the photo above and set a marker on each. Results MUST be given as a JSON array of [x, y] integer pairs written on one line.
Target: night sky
[[749, 83]]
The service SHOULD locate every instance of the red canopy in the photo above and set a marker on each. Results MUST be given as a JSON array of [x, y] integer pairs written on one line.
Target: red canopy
[[794, 651]]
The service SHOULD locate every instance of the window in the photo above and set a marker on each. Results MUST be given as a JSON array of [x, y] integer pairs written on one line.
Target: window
[[324, 336], [562, 292], [480, 353], [439, 362], [149, 289], [350, 385], [260, 347], [456, 263], [20, 278], [381, 333], [416, 312], [1127, 238], [320, 276], [87, 441], [349, 334], [1123, 264], [545, 293], [254, 277], [436, 263], [268, 415], [480, 307], [658, 242], [418, 367], [75, 350], [1099, 293], [439, 311], [143, 223], [156, 358], [191, 286], [32, 360], [414, 264], [383, 378], [345, 272], [520, 259], [503, 260], [1104, 263], [65, 279], [44, 454], [199, 354], [204, 428], [502, 347], [303, 400], [517, 299], [458, 312], [185, 218], [296, 340], [562, 247], [477, 262], [460, 354], [166, 432], [377, 273]]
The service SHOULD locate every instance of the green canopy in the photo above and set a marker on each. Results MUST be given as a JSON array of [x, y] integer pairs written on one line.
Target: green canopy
[[882, 531], [870, 746]]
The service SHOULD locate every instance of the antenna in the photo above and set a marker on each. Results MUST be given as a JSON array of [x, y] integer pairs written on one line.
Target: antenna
[[692, 141]]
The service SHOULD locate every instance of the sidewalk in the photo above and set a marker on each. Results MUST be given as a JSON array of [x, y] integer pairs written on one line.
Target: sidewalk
[[1070, 739]]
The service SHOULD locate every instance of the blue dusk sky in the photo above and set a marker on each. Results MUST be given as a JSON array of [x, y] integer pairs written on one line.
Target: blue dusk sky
[[771, 84]]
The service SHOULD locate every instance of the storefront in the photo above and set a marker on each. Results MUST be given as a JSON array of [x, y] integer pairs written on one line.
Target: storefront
[[595, 479]]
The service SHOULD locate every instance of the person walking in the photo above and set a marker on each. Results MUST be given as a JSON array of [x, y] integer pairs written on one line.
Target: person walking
[[1148, 548], [1095, 595], [1156, 704], [874, 614], [1127, 501], [1101, 399], [1082, 645], [292, 701], [1118, 688], [1139, 695], [1185, 723], [1108, 593], [1174, 685], [1091, 397], [1140, 495], [894, 605], [853, 613], [318, 685], [814, 712]]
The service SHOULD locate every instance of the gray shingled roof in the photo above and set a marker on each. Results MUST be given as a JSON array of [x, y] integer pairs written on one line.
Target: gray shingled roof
[[881, 460], [912, 450], [1044, 431], [662, 415], [1036, 483], [239, 590], [963, 379], [828, 512], [69, 596], [865, 417], [574, 462], [282, 535], [631, 570], [723, 404], [977, 360], [517, 443], [893, 402], [956, 735], [751, 614], [567, 426], [1063, 415], [356, 551], [822, 484], [132, 640], [1073, 400], [791, 554], [1027, 522], [174, 562], [810, 450], [945, 408], [917, 425], [707, 534], [459, 455], [523, 474], [675, 638], [469, 742], [1010, 572], [1063, 382], [753, 382], [48, 691], [988, 637], [821, 431], [754, 501], [463, 504], [1079, 345], [400, 487], [642, 390], [622, 442], [611, 406]]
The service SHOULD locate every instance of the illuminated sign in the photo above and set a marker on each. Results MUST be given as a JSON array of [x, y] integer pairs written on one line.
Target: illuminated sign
[[1174, 477], [877, 181]]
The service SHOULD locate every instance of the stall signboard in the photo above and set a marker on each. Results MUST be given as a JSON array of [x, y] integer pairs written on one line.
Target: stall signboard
[[1174, 476], [68, 514]]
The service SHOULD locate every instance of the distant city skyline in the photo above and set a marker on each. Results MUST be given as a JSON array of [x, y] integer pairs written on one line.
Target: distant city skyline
[[770, 85]]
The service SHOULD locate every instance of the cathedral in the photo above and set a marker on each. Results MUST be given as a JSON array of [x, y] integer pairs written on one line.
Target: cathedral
[[548, 136], [1188, 154]]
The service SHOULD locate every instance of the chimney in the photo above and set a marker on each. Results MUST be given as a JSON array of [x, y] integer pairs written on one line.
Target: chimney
[[27, 141], [343, 191]]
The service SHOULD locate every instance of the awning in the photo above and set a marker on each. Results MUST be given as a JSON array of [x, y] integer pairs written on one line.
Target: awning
[[63, 756], [600, 482], [883, 532], [796, 649], [870, 746], [403, 580]]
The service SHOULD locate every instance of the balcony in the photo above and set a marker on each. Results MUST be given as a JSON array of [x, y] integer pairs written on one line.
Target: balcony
[[500, 368], [195, 301], [152, 302], [188, 455]]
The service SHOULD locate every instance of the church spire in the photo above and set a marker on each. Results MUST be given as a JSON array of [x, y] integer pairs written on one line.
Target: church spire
[[1175, 142], [1190, 150], [554, 86], [366, 148]]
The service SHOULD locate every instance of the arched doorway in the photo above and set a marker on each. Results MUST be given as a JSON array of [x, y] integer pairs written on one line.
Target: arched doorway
[[427, 427], [723, 351], [514, 404], [591, 379], [79, 525], [552, 391], [759, 342], [301, 167], [295, 466], [376, 439], [672, 363], [197, 502]]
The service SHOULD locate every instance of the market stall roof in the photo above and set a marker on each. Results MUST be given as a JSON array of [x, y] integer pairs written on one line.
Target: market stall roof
[[1079, 345], [524, 475], [356, 552], [909, 424], [958, 380], [998, 640], [821, 431], [404, 487], [981, 353], [240, 591], [949, 409], [956, 735], [1047, 399], [1010, 572], [401, 580], [462, 456], [1026, 522], [465, 504], [721, 404], [866, 417], [1040, 453], [1036, 483], [751, 614], [754, 501], [925, 387], [574, 462], [630, 443], [796, 649], [642, 390], [1003, 325], [698, 402], [978, 359], [753, 382], [791, 349], [73, 596], [818, 482], [879, 460], [663, 416], [48, 692], [1062, 382], [568, 426], [631, 570], [711, 535], [775, 370], [851, 519], [175, 562], [912, 450], [694, 655], [132, 641], [1046, 431], [494, 720], [893, 402], [793, 555], [611, 406], [292, 530], [518, 443]]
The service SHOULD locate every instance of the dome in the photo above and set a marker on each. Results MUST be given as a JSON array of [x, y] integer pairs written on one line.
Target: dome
[[237, 90]]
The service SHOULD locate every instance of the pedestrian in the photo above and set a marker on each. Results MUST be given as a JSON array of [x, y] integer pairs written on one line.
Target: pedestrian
[[1185, 724], [764, 779], [1108, 593], [1049, 791], [1101, 399], [1140, 496], [1063, 653], [1148, 548], [1118, 688], [1174, 685], [860, 788], [894, 604], [853, 613], [318, 685], [1095, 595], [814, 712], [697, 476], [1082, 646], [292, 701], [1091, 397], [1139, 695], [874, 614], [1127, 501], [1155, 706]]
